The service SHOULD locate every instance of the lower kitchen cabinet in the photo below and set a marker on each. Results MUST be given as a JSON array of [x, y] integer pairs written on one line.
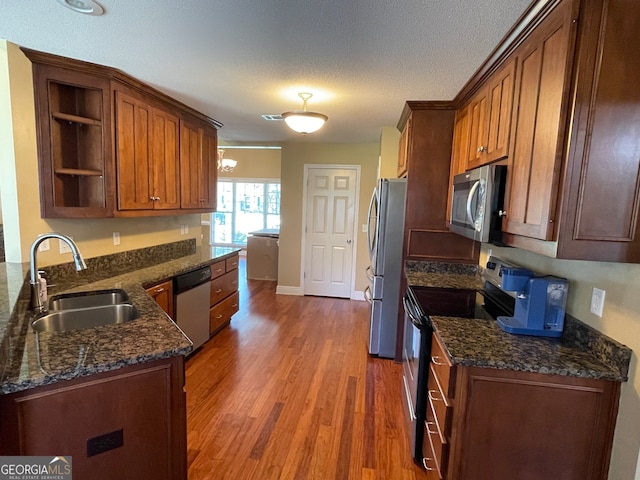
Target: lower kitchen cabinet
[[224, 293], [163, 296], [129, 423], [490, 424]]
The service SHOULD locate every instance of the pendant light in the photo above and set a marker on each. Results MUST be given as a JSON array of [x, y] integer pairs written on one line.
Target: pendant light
[[303, 121], [225, 164]]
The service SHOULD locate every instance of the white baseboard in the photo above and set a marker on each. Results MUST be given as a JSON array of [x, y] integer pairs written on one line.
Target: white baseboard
[[288, 290], [358, 295]]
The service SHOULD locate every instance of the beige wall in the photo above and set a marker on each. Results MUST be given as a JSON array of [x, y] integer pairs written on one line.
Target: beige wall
[[253, 163], [620, 321], [389, 142], [294, 157], [20, 192]]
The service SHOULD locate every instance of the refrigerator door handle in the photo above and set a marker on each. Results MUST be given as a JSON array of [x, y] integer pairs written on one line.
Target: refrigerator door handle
[[370, 234], [369, 273], [367, 294]]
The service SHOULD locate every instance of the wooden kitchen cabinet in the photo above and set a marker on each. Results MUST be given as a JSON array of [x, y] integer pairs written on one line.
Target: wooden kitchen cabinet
[[478, 116], [131, 421], [489, 424], [224, 298], [147, 153], [403, 149], [74, 128], [91, 118], [198, 172], [534, 166], [162, 294]]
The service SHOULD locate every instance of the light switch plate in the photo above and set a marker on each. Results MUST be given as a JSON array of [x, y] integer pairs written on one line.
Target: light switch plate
[[116, 238]]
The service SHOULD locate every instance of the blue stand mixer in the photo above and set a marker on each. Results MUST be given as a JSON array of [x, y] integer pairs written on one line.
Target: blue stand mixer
[[540, 303]]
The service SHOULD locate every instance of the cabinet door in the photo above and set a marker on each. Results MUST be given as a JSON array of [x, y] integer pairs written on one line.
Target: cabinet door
[[163, 296], [499, 115], [198, 173], [459, 151], [165, 159], [403, 149], [538, 128], [135, 176], [478, 130]]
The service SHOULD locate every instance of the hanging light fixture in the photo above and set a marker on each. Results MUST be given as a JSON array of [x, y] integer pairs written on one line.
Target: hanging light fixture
[[302, 121], [225, 164]]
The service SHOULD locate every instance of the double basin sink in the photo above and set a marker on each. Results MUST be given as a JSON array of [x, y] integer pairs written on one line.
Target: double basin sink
[[77, 311]]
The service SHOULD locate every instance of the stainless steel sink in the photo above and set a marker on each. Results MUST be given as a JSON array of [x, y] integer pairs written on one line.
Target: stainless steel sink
[[95, 298], [81, 318]]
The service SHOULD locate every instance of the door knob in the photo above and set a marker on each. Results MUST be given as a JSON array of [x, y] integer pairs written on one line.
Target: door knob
[[502, 213], [348, 242]]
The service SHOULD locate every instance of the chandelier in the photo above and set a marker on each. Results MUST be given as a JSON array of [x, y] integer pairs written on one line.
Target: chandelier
[[225, 164], [303, 121]]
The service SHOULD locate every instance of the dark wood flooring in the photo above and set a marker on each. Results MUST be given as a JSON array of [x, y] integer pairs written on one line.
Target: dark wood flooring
[[288, 391]]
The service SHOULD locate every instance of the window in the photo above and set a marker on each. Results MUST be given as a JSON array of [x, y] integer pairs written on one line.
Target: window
[[243, 207]]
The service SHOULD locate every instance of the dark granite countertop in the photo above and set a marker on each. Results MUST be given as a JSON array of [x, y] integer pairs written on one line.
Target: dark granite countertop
[[443, 275], [28, 359], [580, 352]]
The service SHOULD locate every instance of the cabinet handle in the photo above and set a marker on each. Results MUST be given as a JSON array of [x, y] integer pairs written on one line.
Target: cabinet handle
[[432, 396], [234, 283], [234, 305], [502, 213], [218, 290], [218, 270], [158, 290], [427, 424], [218, 317], [424, 464], [436, 362], [482, 149]]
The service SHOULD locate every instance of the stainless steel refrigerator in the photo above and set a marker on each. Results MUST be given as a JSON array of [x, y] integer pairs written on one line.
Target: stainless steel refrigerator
[[385, 233]]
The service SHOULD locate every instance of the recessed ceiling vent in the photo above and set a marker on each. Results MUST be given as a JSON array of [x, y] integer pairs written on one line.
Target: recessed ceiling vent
[[272, 117]]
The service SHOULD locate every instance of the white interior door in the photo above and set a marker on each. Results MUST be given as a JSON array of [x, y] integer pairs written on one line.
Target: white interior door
[[329, 231]]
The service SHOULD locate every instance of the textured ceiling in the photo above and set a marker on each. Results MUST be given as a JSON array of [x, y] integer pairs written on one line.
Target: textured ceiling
[[235, 60]]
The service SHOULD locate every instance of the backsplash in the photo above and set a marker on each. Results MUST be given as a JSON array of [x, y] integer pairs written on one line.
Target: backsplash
[[123, 262]]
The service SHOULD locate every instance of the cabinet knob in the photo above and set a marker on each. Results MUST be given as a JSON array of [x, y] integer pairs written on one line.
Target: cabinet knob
[[482, 149], [502, 213]]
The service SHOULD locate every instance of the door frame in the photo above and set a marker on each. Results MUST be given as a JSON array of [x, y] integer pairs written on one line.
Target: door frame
[[303, 237]]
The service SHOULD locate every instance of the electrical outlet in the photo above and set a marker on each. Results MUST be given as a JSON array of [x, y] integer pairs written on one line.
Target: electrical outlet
[[63, 247], [45, 246], [181, 229], [597, 301], [364, 228], [116, 238], [186, 228]]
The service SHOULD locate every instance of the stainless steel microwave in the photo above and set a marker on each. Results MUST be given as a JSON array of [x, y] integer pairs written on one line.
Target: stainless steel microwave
[[478, 197]]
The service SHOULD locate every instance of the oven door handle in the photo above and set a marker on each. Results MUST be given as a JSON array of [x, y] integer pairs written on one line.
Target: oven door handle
[[409, 310]]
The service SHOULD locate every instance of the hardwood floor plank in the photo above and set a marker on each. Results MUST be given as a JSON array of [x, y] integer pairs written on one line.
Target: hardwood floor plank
[[288, 391]]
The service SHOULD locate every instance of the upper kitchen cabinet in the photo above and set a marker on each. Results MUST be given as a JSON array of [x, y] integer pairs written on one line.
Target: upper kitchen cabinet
[[147, 155], [198, 172], [538, 125], [109, 145], [576, 165], [484, 137], [428, 146], [73, 131], [403, 149]]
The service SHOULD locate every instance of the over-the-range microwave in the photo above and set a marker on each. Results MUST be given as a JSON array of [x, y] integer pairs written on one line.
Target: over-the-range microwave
[[477, 202]]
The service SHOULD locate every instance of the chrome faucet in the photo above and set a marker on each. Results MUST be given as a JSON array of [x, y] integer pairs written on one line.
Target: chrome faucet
[[36, 293]]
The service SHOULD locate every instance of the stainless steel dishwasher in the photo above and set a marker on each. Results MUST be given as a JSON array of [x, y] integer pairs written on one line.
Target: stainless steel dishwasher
[[192, 294]]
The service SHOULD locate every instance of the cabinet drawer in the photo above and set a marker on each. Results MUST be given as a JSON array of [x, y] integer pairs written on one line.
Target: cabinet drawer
[[231, 263], [223, 286], [440, 404], [442, 367], [218, 269], [429, 459], [221, 313]]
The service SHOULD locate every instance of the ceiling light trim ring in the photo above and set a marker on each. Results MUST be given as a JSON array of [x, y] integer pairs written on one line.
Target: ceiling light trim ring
[[87, 7]]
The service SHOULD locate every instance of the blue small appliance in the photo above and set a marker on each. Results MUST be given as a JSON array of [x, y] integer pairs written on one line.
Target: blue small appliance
[[540, 303]]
